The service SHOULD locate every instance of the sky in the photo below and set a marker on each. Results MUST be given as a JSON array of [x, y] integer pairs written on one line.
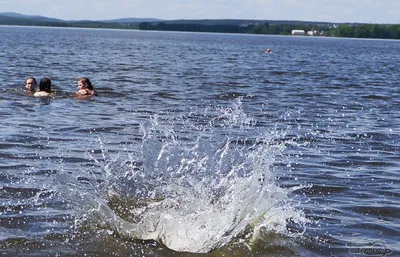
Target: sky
[[363, 11]]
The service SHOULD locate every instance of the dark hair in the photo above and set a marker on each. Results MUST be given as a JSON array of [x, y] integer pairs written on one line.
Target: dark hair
[[30, 78], [45, 85]]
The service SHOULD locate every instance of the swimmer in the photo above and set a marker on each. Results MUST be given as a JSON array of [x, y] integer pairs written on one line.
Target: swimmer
[[85, 88], [268, 50], [30, 85], [44, 88]]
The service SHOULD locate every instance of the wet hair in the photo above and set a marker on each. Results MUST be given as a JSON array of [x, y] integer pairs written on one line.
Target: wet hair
[[26, 80], [45, 85], [87, 82]]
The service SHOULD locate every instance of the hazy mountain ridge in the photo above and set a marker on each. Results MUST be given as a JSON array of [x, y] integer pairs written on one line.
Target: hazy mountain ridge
[[132, 20], [13, 15], [267, 27], [28, 17], [211, 22]]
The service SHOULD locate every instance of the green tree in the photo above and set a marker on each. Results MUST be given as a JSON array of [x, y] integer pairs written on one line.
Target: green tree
[[344, 30], [362, 31]]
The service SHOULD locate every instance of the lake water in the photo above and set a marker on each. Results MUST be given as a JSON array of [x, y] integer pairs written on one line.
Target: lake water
[[199, 145]]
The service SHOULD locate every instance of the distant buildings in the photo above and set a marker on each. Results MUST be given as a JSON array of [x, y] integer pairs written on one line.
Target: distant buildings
[[313, 32], [298, 32]]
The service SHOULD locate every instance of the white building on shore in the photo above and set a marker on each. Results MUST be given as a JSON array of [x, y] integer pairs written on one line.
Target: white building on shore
[[298, 32]]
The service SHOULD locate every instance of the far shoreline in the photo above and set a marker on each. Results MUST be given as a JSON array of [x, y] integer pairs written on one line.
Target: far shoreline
[[193, 31]]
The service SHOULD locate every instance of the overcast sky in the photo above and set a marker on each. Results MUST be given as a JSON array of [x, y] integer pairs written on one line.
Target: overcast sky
[[364, 11]]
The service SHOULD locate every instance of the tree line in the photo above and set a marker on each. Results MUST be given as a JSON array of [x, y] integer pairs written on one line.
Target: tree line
[[4, 20], [192, 27], [368, 31], [342, 30], [233, 26]]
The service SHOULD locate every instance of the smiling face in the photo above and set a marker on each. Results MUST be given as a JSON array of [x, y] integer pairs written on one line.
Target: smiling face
[[30, 84]]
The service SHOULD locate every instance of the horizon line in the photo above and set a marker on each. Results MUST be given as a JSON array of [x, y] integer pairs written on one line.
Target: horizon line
[[187, 19]]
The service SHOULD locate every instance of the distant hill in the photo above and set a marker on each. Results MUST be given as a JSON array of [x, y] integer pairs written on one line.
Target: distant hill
[[19, 16], [210, 22], [268, 27], [9, 18], [28, 17], [132, 20], [241, 22]]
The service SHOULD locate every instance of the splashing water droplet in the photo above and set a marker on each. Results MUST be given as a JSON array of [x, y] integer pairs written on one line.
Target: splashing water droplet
[[192, 188]]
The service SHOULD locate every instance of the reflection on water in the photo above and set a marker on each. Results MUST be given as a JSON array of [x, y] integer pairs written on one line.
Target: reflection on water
[[198, 143]]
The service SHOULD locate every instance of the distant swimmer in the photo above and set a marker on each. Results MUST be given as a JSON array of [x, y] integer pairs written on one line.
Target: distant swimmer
[[44, 88], [85, 88], [268, 50], [30, 85]]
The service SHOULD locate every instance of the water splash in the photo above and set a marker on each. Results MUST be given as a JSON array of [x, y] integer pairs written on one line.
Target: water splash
[[193, 188]]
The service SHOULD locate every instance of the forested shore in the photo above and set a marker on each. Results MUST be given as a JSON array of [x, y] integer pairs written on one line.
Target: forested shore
[[352, 30], [341, 30]]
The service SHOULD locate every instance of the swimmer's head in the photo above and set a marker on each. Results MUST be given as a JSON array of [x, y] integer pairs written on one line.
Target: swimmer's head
[[84, 83], [45, 85], [30, 84]]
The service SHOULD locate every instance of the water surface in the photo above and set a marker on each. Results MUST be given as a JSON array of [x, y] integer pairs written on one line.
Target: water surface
[[198, 145]]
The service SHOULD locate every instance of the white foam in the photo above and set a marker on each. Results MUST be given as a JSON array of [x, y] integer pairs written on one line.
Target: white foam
[[200, 193]]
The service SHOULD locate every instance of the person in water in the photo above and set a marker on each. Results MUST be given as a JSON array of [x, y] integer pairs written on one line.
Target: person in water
[[30, 85], [85, 88], [44, 88]]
